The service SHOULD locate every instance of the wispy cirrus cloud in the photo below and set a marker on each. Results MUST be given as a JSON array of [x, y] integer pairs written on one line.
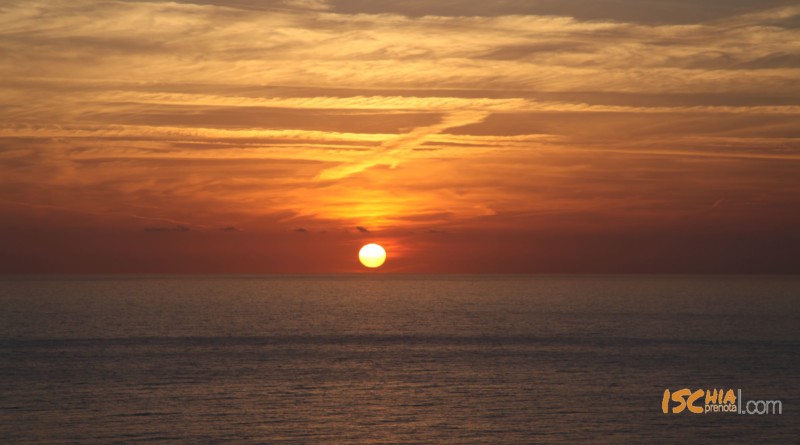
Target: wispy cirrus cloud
[[382, 114]]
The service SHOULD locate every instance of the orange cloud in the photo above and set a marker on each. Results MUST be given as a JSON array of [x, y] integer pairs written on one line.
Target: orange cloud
[[475, 134]]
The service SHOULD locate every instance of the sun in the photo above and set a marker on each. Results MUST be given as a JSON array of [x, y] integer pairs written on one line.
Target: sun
[[372, 255]]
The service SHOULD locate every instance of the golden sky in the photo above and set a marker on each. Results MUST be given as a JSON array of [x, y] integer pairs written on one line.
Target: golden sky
[[506, 136]]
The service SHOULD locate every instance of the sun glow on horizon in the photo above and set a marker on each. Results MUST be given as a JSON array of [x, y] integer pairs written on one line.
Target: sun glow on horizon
[[372, 255]]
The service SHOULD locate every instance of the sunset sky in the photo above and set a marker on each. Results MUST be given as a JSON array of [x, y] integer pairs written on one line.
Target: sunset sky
[[537, 136]]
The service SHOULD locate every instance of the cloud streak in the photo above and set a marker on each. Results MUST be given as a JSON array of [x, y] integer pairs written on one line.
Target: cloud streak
[[405, 116], [397, 150]]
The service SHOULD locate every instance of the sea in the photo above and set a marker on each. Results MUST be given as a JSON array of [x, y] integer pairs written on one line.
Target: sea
[[395, 359]]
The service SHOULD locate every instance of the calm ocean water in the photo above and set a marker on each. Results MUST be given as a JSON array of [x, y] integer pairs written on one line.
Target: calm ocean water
[[394, 359]]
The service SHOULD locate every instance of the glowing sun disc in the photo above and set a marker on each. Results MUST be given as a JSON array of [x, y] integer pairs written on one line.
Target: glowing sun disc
[[372, 255]]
